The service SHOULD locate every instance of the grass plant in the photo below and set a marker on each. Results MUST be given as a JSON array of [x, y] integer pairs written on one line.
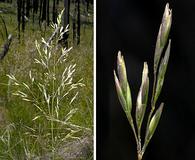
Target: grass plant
[[47, 93]]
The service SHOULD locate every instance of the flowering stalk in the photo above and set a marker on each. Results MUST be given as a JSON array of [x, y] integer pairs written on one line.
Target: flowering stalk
[[124, 92]]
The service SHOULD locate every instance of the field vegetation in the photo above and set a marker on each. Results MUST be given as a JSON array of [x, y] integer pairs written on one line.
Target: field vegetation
[[46, 90]]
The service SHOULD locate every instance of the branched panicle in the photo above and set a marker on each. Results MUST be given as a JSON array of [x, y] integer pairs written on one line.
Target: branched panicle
[[159, 70]]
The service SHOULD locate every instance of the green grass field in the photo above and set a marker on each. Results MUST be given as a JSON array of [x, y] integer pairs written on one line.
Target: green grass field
[[27, 133]]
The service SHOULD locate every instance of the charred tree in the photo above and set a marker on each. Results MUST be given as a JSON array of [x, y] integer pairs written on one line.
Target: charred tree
[[78, 22], [35, 6], [8, 38], [44, 10], [47, 13], [66, 21], [54, 12], [66, 12], [23, 15], [28, 8], [74, 31], [40, 11], [19, 6], [87, 5], [5, 47]]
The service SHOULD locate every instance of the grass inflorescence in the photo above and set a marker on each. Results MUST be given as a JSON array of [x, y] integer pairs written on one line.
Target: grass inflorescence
[[124, 92]]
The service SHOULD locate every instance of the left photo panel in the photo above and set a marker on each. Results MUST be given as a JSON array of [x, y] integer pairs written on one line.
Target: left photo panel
[[46, 79]]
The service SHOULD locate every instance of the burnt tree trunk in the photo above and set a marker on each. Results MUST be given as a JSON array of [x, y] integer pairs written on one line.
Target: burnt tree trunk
[[54, 12], [78, 22], [87, 5], [40, 11], [34, 9], [74, 23], [35, 6], [19, 6], [47, 13], [27, 8], [66, 21], [23, 15], [44, 10], [66, 12], [5, 47]]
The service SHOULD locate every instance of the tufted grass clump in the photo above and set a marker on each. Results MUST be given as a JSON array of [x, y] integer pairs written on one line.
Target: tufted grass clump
[[159, 70], [49, 93]]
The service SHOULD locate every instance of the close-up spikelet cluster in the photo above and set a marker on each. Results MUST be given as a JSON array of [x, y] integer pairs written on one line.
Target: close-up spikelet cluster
[[159, 70]]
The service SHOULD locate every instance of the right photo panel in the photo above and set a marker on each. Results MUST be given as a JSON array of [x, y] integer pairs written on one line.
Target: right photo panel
[[145, 80]]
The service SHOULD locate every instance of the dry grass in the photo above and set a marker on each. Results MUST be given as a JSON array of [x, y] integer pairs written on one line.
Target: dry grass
[[31, 130]]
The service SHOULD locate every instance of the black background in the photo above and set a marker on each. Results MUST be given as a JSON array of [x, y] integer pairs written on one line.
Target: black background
[[132, 27]]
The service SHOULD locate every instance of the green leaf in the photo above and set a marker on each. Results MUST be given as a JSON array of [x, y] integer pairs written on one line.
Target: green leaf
[[142, 97]]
